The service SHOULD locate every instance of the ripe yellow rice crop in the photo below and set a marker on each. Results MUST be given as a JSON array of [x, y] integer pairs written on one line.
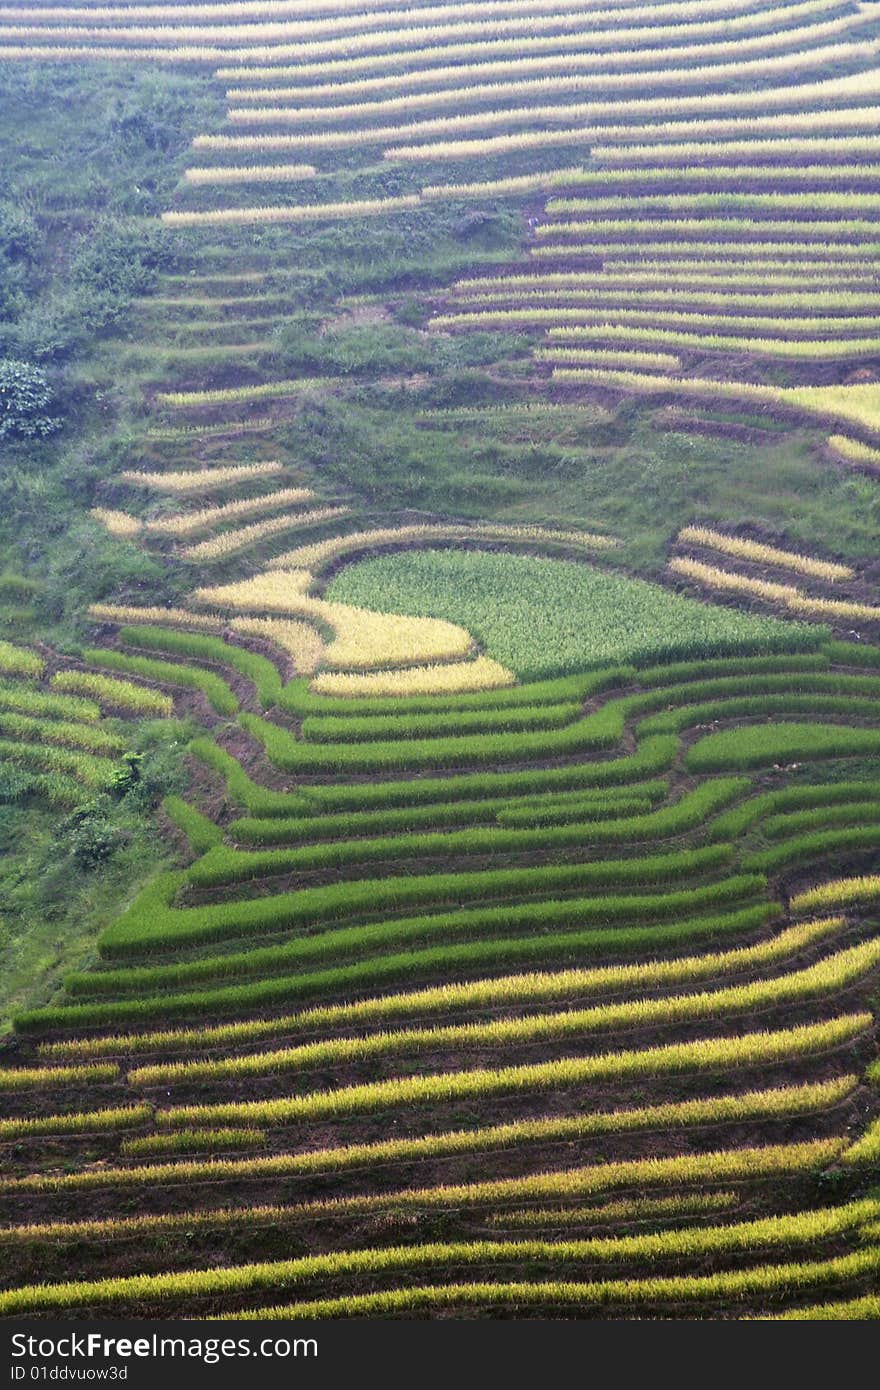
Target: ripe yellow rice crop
[[76, 1122], [763, 554], [858, 403], [170, 617], [466, 87], [828, 976], [374, 32], [786, 594], [218, 1218], [302, 642], [223, 395], [826, 94], [723, 1288], [185, 523], [277, 173], [809, 1228], [624, 357], [707, 1054], [363, 639], [521, 183], [624, 1209], [570, 1184], [307, 212], [866, 1149], [720, 1165], [509, 989], [854, 451], [838, 892], [460, 676], [322, 553], [21, 1078], [671, 155], [228, 542], [201, 479], [117, 523]]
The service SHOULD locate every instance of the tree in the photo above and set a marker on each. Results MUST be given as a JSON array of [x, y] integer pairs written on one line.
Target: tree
[[25, 394]]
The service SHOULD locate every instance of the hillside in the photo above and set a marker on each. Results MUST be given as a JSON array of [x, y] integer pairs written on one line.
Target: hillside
[[440, 659]]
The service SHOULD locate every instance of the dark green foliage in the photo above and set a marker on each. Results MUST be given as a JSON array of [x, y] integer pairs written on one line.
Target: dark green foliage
[[25, 397]]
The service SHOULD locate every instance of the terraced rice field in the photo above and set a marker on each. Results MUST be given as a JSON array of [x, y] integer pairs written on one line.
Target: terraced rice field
[[520, 957]]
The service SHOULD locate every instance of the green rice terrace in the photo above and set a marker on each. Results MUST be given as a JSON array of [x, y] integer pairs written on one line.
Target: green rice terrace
[[440, 659]]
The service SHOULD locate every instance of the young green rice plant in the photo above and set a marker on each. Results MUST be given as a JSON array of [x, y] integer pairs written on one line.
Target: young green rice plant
[[25, 700], [249, 664], [201, 832], [68, 735], [763, 745], [777, 809], [354, 728], [224, 865], [620, 922], [808, 848], [201, 480], [566, 807], [152, 920], [304, 698], [838, 892], [116, 694], [825, 817], [707, 1054], [521, 607], [90, 769], [656, 753], [19, 661], [281, 990], [216, 691]]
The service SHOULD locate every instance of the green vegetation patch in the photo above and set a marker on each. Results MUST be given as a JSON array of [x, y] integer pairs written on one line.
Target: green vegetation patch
[[544, 617]]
